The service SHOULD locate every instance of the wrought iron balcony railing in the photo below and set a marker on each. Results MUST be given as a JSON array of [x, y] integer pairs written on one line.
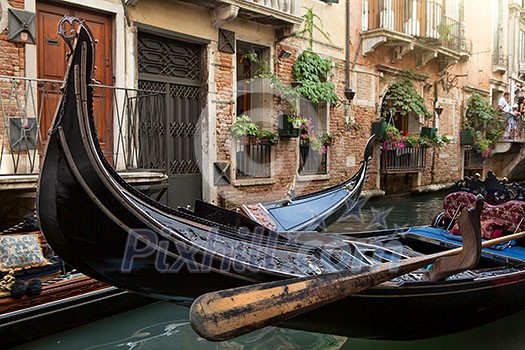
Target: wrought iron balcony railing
[[419, 18], [473, 159], [274, 12], [500, 60], [405, 160], [27, 107]]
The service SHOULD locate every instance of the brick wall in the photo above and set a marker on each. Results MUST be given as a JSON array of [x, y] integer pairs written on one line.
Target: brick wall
[[344, 156]]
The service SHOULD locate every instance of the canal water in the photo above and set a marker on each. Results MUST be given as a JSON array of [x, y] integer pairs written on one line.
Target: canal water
[[165, 326]]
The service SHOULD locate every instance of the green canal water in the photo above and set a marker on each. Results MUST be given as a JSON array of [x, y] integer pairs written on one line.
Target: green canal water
[[165, 326]]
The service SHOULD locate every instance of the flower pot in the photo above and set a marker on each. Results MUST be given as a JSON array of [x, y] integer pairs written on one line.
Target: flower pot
[[267, 142], [379, 129], [428, 132], [286, 128], [304, 141], [466, 137], [248, 140]]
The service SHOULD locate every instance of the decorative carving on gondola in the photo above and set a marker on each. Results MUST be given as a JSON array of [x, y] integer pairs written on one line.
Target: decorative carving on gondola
[[68, 35]]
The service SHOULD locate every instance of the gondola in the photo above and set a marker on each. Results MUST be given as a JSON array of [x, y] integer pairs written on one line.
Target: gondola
[[314, 211], [107, 230]]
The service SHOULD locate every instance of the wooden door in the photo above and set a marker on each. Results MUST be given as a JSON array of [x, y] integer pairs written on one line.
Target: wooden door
[[51, 65]]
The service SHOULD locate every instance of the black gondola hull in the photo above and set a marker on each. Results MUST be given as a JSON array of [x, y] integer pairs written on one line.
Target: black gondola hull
[[111, 232]]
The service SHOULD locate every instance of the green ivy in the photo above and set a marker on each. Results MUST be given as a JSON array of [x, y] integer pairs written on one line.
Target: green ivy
[[311, 69], [404, 98], [484, 120]]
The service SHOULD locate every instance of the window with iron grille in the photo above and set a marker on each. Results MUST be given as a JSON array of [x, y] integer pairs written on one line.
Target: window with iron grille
[[313, 162], [252, 160], [473, 161]]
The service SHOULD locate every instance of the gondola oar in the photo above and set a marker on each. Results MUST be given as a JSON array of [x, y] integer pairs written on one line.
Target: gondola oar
[[229, 313]]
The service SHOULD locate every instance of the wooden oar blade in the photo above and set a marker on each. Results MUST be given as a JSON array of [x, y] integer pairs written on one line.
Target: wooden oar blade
[[470, 227], [230, 313]]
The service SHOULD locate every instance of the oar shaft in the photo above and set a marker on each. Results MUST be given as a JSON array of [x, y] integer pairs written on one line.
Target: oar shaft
[[229, 313], [502, 239]]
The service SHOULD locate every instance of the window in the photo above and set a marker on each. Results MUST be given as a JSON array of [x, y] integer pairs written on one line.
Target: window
[[253, 160], [312, 162], [522, 50], [497, 36]]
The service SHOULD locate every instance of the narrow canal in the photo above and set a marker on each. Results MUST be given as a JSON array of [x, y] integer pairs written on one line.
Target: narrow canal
[[165, 326]]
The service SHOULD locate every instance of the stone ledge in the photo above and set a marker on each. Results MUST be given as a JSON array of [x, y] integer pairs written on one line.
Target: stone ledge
[[432, 188], [28, 182], [372, 193]]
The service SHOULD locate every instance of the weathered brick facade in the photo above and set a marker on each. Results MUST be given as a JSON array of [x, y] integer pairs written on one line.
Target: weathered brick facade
[[371, 71]]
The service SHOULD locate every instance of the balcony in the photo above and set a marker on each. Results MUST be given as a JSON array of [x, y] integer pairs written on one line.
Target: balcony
[[499, 63], [277, 13], [26, 109], [417, 25], [405, 160]]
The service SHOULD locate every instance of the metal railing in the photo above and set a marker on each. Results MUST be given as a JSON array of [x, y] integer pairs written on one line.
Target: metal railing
[[27, 107], [292, 7], [311, 162], [419, 18], [500, 60], [403, 160], [473, 159], [253, 160]]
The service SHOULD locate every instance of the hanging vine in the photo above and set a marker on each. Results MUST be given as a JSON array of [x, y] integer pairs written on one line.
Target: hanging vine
[[401, 97], [311, 69]]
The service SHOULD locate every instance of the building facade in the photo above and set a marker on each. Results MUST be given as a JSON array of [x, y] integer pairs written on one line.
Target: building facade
[[176, 75]]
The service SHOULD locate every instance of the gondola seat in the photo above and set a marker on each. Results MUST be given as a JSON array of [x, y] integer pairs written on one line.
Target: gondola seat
[[496, 220]]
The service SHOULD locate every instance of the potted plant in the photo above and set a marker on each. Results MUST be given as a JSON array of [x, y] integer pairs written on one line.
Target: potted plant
[[244, 129], [428, 132], [424, 142], [379, 129], [412, 141], [466, 136], [267, 137], [441, 140], [394, 139], [351, 124], [482, 123], [327, 139]]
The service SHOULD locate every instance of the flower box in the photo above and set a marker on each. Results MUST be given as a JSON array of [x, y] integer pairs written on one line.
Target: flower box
[[248, 140], [379, 129], [266, 141], [466, 137], [428, 132], [286, 127]]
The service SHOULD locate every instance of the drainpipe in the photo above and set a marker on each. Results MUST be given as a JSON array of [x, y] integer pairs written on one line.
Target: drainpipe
[[438, 80], [435, 125], [347, 58]]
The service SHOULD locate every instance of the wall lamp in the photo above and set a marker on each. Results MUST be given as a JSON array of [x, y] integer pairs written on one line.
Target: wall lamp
[[284, 54], [438, 110], [349, 96]]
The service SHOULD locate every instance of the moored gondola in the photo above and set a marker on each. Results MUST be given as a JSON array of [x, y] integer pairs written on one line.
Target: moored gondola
[[109, 231], [313, 211]]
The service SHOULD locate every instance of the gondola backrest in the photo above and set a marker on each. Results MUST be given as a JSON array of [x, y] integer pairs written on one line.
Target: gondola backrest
[[508, 216]]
